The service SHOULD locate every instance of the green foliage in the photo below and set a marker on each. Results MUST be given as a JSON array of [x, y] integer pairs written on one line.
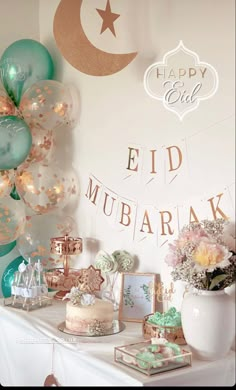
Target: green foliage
[[146, 291], [128, 299]]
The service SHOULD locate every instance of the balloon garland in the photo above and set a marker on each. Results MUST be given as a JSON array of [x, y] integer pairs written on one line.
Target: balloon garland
[[32, 107], [23, 63], [8, 276]]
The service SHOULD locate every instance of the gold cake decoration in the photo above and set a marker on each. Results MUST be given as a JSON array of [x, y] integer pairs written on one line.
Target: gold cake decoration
[[90, 279]]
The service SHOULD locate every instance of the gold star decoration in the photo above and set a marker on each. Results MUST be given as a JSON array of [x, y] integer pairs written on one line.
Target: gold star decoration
[[108, 18], [90, 279]]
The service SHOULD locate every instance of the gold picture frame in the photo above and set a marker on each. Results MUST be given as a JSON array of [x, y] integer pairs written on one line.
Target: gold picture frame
[[137, 296]]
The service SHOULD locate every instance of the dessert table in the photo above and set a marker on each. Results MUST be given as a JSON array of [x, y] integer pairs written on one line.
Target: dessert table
[[31, 347]]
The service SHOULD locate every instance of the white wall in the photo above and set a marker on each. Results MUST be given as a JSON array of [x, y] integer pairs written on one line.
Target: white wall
[[116, 112], [19, 20]]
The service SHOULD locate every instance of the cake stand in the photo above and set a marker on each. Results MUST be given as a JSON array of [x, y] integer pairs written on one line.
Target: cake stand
[[66, 278]]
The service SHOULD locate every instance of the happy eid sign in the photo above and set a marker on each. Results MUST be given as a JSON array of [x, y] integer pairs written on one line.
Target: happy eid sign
[[181, 80]]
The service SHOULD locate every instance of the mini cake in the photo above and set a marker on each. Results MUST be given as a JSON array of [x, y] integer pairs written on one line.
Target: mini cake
[[87, 314], [82, 318]]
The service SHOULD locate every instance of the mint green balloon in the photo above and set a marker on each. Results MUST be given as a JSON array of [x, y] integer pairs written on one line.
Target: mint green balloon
[[15, 141], [22, 64], [5, 249], [14, 194], [8, 276]]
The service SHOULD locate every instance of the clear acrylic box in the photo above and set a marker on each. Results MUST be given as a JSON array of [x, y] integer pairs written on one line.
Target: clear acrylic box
[[145, 357]]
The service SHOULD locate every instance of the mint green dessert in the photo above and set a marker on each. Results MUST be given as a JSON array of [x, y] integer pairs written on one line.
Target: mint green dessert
[[170, 318], [145, 359]]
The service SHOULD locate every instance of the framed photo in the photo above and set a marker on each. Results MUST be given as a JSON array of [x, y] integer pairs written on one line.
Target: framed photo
[[137, 297]]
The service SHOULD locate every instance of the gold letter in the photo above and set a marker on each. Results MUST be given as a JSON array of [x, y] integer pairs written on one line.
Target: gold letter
[[105, 202], [215, 209], [132, 158], [167, 223], [146, 223], [192, 213], [153, 161], [127, 214], [95, 191], [170, 157]]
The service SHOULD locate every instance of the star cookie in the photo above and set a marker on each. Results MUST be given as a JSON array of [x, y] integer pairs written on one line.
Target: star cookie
[[90, 279]]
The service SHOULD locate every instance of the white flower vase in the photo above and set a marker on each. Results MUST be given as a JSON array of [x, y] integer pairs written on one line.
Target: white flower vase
[[231, 291], [208, 323]]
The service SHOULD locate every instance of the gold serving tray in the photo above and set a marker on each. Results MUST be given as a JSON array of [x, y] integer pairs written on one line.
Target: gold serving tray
[[117, 327]]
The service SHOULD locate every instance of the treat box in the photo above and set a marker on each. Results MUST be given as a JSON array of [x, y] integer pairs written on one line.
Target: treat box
[[144, 357], [27, 304], [173, 334]]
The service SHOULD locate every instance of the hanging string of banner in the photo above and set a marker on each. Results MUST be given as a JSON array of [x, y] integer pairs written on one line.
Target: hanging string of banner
[[162, 165], [148, 222]]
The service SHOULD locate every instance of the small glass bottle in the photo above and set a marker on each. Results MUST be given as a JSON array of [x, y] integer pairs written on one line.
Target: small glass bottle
[[42, 287], [15, 283]]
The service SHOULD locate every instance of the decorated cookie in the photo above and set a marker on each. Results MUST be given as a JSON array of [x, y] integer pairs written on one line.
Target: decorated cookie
[[175, 347], [177, 351], [159, 340], [154, 348], [145, 359], [90, 279], [167, 352], [159, 361]]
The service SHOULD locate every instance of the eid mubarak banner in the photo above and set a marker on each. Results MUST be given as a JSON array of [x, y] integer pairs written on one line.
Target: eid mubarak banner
[[152, 222]]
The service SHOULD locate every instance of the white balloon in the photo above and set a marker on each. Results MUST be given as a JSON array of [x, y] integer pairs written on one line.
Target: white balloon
[[12, 219], [34, 244]]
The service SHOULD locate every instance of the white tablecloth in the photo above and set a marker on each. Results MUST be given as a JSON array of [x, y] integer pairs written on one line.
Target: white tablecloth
[[26, 358]]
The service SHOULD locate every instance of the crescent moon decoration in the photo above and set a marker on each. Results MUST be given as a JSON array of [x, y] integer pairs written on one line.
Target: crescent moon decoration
[[108, 18], [76, 47]]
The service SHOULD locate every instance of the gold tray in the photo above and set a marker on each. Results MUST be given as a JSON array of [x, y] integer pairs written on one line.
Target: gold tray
[[117, 327]]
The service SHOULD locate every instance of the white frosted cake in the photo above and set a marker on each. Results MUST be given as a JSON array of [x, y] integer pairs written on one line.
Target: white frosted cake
[[94, 318]]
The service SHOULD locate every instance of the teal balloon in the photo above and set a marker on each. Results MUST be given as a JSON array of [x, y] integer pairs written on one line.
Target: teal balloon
[[15, 141], [22, 64], [8, 276], [14, 194], [5, 249]]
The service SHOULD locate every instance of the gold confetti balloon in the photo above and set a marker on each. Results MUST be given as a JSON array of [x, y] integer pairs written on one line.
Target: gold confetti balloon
[[48, 104], [12, 219], [6, 182], [43, 188], [7, 106], [34, 244], [42, 144]]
